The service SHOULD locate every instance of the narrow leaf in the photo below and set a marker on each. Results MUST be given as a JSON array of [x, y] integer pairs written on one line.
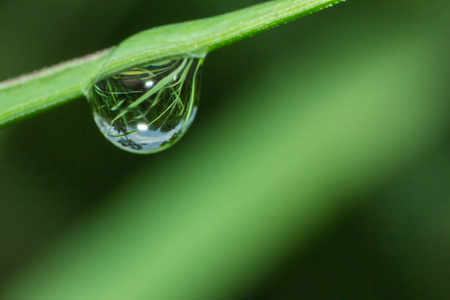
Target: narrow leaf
[[42, 90]]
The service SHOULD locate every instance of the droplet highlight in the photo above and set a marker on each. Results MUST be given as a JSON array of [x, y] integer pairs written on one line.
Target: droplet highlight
[[148, 108]]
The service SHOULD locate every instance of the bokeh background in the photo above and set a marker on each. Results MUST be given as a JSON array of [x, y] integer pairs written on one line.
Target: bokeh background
[[318, 166]]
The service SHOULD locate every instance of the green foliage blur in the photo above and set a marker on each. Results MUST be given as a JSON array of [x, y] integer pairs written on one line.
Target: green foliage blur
[[318, 166]]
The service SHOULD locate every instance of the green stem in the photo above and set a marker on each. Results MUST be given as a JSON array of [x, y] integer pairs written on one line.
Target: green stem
[[42, 90]]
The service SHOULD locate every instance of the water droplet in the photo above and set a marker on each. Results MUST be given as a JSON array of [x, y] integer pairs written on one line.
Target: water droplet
[[147, 108]]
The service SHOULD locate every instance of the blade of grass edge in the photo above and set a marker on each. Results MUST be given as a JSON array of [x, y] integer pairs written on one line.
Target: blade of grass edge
[[39, 91]]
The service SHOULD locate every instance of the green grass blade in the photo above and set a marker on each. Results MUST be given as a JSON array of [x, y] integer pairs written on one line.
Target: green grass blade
[[45, 89], [42, 90]]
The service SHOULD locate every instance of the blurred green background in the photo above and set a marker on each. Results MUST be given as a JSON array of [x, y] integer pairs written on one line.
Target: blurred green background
[[318, 166]]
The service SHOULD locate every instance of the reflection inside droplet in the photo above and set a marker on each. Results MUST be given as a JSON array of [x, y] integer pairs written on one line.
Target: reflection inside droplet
[[148, 108], [142, 127]]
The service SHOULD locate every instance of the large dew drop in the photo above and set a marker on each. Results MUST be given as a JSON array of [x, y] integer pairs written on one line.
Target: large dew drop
[[147, 109]]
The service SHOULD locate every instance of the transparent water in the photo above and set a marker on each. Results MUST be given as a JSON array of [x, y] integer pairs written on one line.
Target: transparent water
[[147, 109]]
